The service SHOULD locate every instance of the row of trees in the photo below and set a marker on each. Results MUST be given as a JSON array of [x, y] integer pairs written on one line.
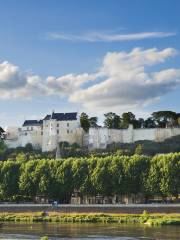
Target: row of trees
[[160, 119], [57, 179]]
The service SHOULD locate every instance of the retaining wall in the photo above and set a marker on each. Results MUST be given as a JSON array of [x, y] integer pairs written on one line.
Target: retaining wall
[[120, 208]]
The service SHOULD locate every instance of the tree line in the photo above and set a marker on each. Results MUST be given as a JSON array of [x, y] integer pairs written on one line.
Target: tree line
[[159, 119], [24, 179]]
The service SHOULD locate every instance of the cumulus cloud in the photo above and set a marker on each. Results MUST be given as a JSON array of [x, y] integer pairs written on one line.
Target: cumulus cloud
[[127, 82], [124, 80], [108, 37]]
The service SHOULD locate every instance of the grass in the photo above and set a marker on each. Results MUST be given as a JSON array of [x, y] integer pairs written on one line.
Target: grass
[[145, 218]]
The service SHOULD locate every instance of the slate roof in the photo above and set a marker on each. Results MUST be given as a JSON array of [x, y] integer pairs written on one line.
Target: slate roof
[[32, 123], [62, 116]]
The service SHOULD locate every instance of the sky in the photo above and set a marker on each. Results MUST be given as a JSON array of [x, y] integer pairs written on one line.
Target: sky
[[88, 55]]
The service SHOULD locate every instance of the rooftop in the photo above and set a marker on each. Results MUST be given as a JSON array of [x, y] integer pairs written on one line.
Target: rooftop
[[32, 123], [58, 116], [62, 116]]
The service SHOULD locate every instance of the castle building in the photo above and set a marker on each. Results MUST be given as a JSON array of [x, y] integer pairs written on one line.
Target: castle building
[[45, 134], [61, 127]]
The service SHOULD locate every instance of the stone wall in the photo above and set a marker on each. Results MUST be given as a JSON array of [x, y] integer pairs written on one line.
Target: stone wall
[[96, 208], [100, 137]]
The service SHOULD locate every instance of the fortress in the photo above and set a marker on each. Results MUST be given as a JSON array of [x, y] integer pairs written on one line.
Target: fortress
[[46, 133]]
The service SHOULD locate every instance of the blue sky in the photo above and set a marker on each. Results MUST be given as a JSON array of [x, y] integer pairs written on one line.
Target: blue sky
[[72, 55]]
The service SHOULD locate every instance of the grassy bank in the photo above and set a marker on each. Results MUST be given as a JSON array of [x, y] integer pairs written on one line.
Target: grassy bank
[[145, 218]]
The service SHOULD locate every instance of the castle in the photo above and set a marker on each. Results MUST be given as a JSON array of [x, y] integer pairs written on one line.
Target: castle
[[45, 134]]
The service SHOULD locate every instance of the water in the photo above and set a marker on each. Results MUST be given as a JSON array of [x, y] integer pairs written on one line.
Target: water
[[90, 231]]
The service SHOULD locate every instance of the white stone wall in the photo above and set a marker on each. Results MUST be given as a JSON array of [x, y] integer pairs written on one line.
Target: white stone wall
[[59, 131], [12, 137], [100, 137], [32, 135], [19, 137]]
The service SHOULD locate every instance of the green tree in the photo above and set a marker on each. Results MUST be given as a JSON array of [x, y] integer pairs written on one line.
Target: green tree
[[3, 147], [81, 178], [139, 149], [112, 120], [127, 118], [149, 123], [165, 118], [117, 175], [28, 183], [164, 175], [64, 179], [9, 178], [101, 177], [136, 172], [93, 122], [84, 120]]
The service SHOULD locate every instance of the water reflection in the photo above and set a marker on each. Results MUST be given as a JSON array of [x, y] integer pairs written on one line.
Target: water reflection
[[87, 231]]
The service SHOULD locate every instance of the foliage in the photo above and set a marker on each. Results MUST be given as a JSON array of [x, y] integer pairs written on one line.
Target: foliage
[[159, 119], [87, 122], [145, 218], [112, 120], [139, 149], [149, 148], [2, 147], [109, 175]]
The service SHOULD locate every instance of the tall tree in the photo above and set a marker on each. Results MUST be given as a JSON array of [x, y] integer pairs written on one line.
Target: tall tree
[[165, 118], [164, 175], [9, 178], [84, 120], [112, 120], [93, 122], [127, 118]]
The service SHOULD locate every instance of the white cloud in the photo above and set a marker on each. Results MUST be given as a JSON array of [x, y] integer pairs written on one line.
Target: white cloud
[[108, 37], [125, 81]]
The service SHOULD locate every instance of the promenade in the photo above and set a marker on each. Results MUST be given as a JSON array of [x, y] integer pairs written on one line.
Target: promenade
[[95, 208]]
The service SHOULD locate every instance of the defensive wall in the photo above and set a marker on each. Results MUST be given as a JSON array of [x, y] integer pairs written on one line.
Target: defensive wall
[[95, 208], [101, 137]]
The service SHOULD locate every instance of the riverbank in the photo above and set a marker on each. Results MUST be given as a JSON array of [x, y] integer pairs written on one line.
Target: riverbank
[[91, 208], [144, 218]]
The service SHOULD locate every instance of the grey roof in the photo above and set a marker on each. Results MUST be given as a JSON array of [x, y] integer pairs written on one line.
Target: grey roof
[[32, 123], [62, 116]]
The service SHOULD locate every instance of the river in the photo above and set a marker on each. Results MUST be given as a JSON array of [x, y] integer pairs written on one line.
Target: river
[[86, 231]]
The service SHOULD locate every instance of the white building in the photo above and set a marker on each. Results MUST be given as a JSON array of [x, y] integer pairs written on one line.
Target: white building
[[61, 127], [45, 134]]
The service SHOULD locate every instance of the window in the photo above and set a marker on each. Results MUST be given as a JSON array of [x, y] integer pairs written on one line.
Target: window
[[67, 130], [67, 124], [57, 124], [31, 128], [57, 131]]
